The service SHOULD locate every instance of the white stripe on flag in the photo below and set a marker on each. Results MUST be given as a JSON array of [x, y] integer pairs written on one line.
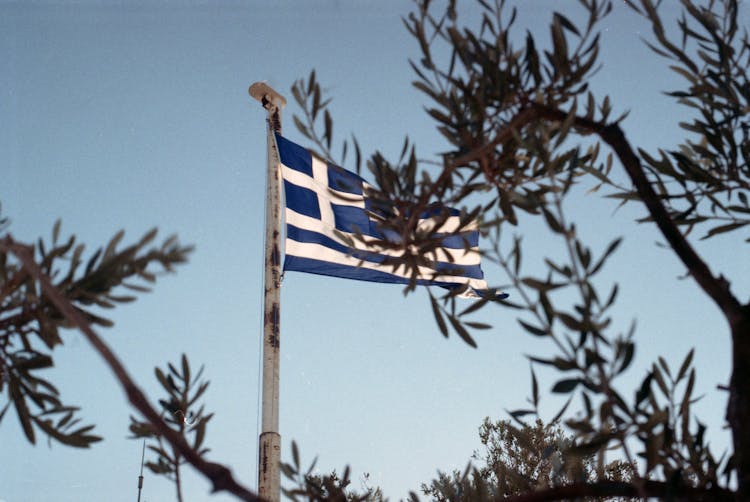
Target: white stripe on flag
[[323, 253]]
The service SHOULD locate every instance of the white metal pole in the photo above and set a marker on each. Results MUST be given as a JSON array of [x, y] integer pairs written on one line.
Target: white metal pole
[[269, 448]]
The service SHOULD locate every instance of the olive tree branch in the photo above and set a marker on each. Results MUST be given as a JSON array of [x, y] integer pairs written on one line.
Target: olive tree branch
[[219, 475], [613, 136], [582, 282]]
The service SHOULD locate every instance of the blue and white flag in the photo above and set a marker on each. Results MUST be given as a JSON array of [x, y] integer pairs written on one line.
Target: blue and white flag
[[327, 206]]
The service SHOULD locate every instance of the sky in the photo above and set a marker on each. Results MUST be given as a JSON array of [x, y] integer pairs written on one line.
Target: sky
[[130, 115]]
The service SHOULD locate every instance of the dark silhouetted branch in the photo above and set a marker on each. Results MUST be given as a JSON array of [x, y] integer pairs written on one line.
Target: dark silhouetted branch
[[612, 135], [717, 288], [219, 475]]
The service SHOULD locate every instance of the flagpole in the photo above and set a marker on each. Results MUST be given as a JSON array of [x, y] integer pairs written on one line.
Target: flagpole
[[269, 444]]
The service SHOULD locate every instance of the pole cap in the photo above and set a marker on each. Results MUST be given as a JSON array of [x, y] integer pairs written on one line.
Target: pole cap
[[266, 95]]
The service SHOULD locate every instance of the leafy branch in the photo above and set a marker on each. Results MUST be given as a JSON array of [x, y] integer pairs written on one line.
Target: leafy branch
[[30, 323], [183, 414], [523, 129], [219, 475]]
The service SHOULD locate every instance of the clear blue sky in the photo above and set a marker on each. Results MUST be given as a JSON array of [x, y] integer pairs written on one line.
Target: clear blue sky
[[136, 114]]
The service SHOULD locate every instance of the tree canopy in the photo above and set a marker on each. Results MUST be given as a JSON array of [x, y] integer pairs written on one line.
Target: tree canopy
[[517, 460], [31, 321], [523, 128]]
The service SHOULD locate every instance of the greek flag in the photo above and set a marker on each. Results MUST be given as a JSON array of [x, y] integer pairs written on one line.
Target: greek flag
[[326, 206]]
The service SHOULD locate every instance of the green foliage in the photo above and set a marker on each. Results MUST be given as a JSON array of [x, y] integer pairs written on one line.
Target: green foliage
[[706, 179], [524, 133], [31, 327], [183, 412], [313, 487], [519, 460]]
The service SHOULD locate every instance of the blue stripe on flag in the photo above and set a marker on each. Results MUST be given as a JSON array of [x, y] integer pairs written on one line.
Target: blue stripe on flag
[[319, 267], [439, 210], [344, 181], [351, 219], [310, 237], [460, 241]]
